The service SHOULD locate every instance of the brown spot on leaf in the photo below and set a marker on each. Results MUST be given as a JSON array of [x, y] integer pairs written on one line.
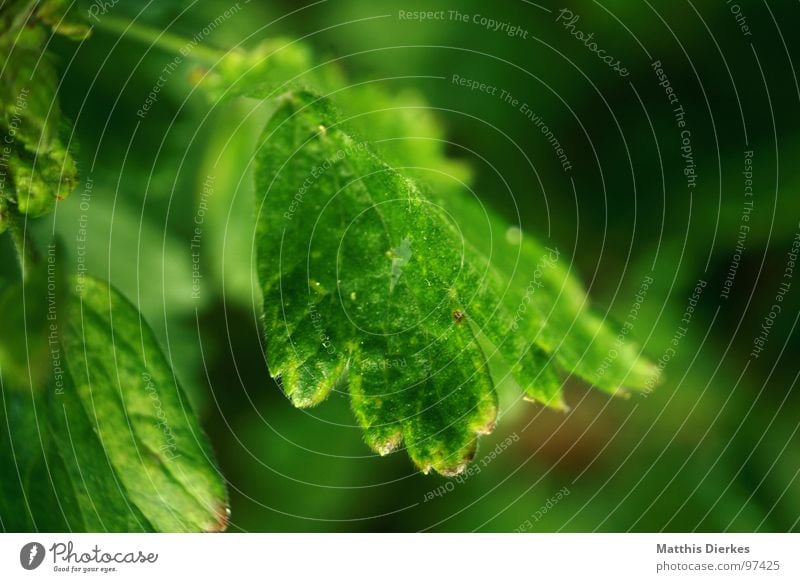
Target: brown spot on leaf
[[458, 316]]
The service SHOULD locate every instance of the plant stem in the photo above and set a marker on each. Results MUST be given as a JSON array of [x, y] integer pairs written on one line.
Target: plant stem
[[172, 43], [26, 251]]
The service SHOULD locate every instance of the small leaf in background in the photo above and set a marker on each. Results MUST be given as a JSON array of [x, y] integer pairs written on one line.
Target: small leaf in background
[[97, 433], [271, 66], [135, 406], [38, 168], [369, 285], [64, 18], [225, 194]]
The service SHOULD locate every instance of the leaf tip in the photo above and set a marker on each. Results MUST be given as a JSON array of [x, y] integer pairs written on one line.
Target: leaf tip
[[453, 464], [222, 515], [621, 392], [453, 471], [488, 427], [386, 445], [555, 403], [304, 388]]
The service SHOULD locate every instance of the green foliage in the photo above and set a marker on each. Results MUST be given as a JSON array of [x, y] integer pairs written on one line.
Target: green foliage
[[139, 413], [705, 451], [369, 284], [23, 344], [62, 16], [36, 166], [55, 14], [98, 434], [257, 72], [412, 301], [106, 441]]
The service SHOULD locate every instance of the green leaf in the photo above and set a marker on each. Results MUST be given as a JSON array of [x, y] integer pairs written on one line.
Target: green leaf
[[4, 215], [229, 224], [14, 15], [373, 288], [95, 432], [91, 494], [18, 445], [37, 167], [546, 303], [64, 18], [409, 133], [256, 73], [54, 13], [120, 388]]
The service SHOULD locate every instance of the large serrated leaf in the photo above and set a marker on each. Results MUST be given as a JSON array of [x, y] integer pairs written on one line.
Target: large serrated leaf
[[371, 287]]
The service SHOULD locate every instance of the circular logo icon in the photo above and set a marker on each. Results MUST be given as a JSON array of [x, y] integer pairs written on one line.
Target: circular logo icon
[[31, 555]]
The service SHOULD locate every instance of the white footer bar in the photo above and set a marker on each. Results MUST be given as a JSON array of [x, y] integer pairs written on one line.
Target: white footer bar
[[400, 557]]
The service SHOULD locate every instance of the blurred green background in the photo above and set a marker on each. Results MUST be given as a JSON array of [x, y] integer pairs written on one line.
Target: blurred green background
[[714, 448]]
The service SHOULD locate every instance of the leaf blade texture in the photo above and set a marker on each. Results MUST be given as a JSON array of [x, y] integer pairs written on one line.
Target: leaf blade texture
[[375, 289], [130, 399]]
